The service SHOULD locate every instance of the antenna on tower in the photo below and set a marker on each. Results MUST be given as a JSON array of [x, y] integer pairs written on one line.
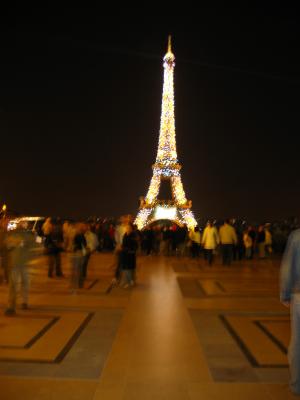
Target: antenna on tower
[[169, 44]]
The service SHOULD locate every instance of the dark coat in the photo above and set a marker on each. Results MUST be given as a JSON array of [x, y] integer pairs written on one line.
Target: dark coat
[[79, 242], [128, 253], [53, 243]]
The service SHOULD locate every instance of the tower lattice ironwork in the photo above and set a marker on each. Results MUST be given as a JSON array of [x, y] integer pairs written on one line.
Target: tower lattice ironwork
[[177, 209]]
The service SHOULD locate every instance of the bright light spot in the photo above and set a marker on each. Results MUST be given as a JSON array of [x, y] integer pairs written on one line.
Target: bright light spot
[[165, 213], [11, 225]]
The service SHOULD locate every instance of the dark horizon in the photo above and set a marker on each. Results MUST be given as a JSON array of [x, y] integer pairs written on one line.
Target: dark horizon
[[81, 101]]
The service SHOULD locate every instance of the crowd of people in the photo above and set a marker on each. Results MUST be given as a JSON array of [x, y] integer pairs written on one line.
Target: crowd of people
[[79, 240], [19, 246], [233, 242]]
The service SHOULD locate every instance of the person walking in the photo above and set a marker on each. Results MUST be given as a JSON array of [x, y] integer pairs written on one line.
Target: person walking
[[19, 244], [290, 297], [195, 238], [210, 240], [228, 239]]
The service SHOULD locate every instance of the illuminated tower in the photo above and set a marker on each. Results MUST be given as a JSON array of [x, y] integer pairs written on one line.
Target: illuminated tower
[[177, 209]]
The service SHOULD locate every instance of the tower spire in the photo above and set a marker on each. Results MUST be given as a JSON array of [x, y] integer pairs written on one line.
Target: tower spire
[[166, 164], [169, 44]]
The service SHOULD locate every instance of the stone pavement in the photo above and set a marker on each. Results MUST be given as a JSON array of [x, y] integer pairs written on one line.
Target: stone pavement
[[186, 331]]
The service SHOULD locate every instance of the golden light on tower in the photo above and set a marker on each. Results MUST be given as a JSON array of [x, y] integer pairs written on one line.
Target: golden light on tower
[[169, 44], [166, 164]]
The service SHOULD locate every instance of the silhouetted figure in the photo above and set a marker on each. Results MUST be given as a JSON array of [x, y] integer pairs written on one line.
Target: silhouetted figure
[[129, 248], [119, 234], [290, 295], [77, 257], [261, 239], [54, 244], [252, 234]]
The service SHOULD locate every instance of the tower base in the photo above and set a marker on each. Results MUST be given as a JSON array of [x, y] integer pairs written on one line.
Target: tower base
[[165, 210]]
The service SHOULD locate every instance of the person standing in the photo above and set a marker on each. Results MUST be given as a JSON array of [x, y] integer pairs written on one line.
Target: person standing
[[268, 240], [210, 240], [261, 242], [290, 296], [19, 244], [77, 257], [53, 245], [248, 243], [119, 234], [92, 244], [149, 240], [129, 248], [47, 226], [3, 250], [252, 234]]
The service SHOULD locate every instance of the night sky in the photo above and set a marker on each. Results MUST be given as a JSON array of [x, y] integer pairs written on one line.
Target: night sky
[[80, 105]]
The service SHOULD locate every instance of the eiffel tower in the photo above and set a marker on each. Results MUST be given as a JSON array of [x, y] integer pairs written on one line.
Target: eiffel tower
[[166, 167]]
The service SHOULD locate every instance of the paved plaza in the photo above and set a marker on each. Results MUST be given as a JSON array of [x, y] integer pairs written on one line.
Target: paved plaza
[[186, 331]]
